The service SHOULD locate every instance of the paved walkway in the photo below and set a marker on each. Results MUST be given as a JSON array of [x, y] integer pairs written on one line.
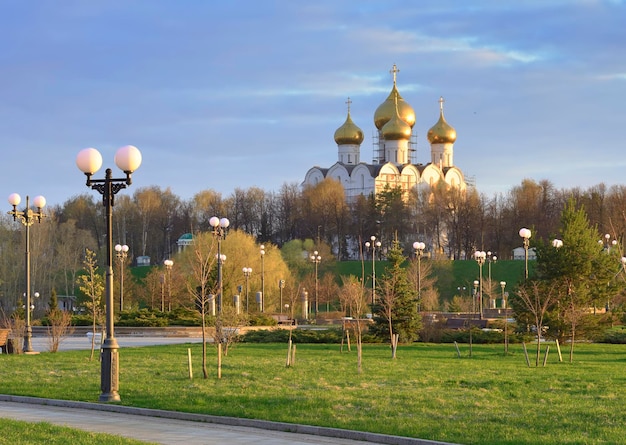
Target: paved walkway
[[174, 428]]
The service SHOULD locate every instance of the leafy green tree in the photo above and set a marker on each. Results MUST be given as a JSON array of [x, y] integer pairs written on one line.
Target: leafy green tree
[[396, 308], [393, 214], [580, 269]]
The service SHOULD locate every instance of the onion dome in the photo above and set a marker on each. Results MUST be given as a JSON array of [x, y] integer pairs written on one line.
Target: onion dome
[[349, 133], [396, 128], [387, 109], [441, 132]]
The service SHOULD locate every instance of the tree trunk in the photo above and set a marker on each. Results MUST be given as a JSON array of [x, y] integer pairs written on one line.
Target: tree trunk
[[571, 345], [205, 373]]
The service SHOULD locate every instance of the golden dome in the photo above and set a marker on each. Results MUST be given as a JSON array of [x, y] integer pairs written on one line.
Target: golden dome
[[349, 133], [396, 128], [387, 109], [441, 132]]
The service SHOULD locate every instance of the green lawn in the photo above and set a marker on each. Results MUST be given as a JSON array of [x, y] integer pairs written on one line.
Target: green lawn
[[427, 392], [452, 275]]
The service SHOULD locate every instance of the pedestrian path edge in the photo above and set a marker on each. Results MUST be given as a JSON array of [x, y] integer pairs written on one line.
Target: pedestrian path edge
[[225, 420]]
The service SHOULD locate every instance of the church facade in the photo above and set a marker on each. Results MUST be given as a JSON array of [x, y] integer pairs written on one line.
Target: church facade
[[392, 162]]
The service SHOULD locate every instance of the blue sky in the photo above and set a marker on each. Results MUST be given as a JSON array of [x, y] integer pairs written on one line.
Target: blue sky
[[248, 93]]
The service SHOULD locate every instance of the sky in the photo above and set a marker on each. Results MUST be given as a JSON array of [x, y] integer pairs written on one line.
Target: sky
[[248, 93]]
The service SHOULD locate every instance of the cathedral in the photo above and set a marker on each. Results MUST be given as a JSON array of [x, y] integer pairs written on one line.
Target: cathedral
[[393, 162]]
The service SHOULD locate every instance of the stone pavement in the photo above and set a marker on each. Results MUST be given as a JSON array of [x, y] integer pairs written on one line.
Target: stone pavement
[[174, 428]]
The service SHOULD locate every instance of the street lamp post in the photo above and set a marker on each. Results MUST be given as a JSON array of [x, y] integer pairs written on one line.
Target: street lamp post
[[525, 234], [27, 217], [374, 244], [491, 259], [607, 244], [316, 258], [89, 161], [121, 252], [506, 319], [220, 227], [476, 283], [480, 257], [168, 266], [281, 286], [247, 271], [419, 251], [262, 253]]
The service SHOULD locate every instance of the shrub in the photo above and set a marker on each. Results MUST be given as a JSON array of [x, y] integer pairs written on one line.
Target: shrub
[[615, 337], [143, 318], [262, 320], [332, 335]]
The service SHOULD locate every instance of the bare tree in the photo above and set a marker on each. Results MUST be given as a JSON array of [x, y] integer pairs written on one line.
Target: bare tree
[[537, 297], [388, 299], [91, 283], [200, 262], [59, 328], [353, 298]]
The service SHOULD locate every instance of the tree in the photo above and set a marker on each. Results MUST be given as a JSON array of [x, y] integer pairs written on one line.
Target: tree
[[59, 323], [396, 310], [536, 297], [352, 297], [325, 213], [421, 277], [91, 284], [199, 261], [581, 269], [393, 214]]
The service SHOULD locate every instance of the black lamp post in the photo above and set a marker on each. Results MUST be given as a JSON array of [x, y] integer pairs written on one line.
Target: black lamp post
[[121, 252], [247, 271], [281, 286], [525, 234], [506, 319], [27, 217], [419, 251], [316, 259], [480, 257], [374, 244], [89, 161], [262, 252], [219, 231], [168, 266]]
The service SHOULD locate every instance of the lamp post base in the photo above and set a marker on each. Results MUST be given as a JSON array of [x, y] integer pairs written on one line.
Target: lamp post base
[[28, 344], [109, 371]]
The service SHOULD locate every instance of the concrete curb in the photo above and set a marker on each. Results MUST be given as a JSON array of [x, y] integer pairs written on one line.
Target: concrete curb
[[231, 421]]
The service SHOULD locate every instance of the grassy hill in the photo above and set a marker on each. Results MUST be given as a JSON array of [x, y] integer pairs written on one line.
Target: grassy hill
[[451, 275]]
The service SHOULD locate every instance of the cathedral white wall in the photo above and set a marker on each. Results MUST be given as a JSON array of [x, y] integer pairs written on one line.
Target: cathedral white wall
[[443, 152], [397, 151], [349, 154]]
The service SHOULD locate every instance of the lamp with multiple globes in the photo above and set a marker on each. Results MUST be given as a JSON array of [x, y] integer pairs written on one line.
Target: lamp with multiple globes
[[27, 217], [89, 161], [220, 228]]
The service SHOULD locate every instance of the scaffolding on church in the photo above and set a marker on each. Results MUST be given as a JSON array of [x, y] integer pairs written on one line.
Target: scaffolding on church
[[378, 149]]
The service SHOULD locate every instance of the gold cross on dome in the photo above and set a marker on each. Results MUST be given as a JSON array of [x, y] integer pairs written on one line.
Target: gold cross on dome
[[394, 71], [349, 102], [441, 101]]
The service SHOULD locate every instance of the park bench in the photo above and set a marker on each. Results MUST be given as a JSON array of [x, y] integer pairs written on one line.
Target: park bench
[[284, 320], [4, 340]]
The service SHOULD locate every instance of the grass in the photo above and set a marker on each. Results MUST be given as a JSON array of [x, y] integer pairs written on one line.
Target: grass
[[452, 274], [427, 392], [24, 433]]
